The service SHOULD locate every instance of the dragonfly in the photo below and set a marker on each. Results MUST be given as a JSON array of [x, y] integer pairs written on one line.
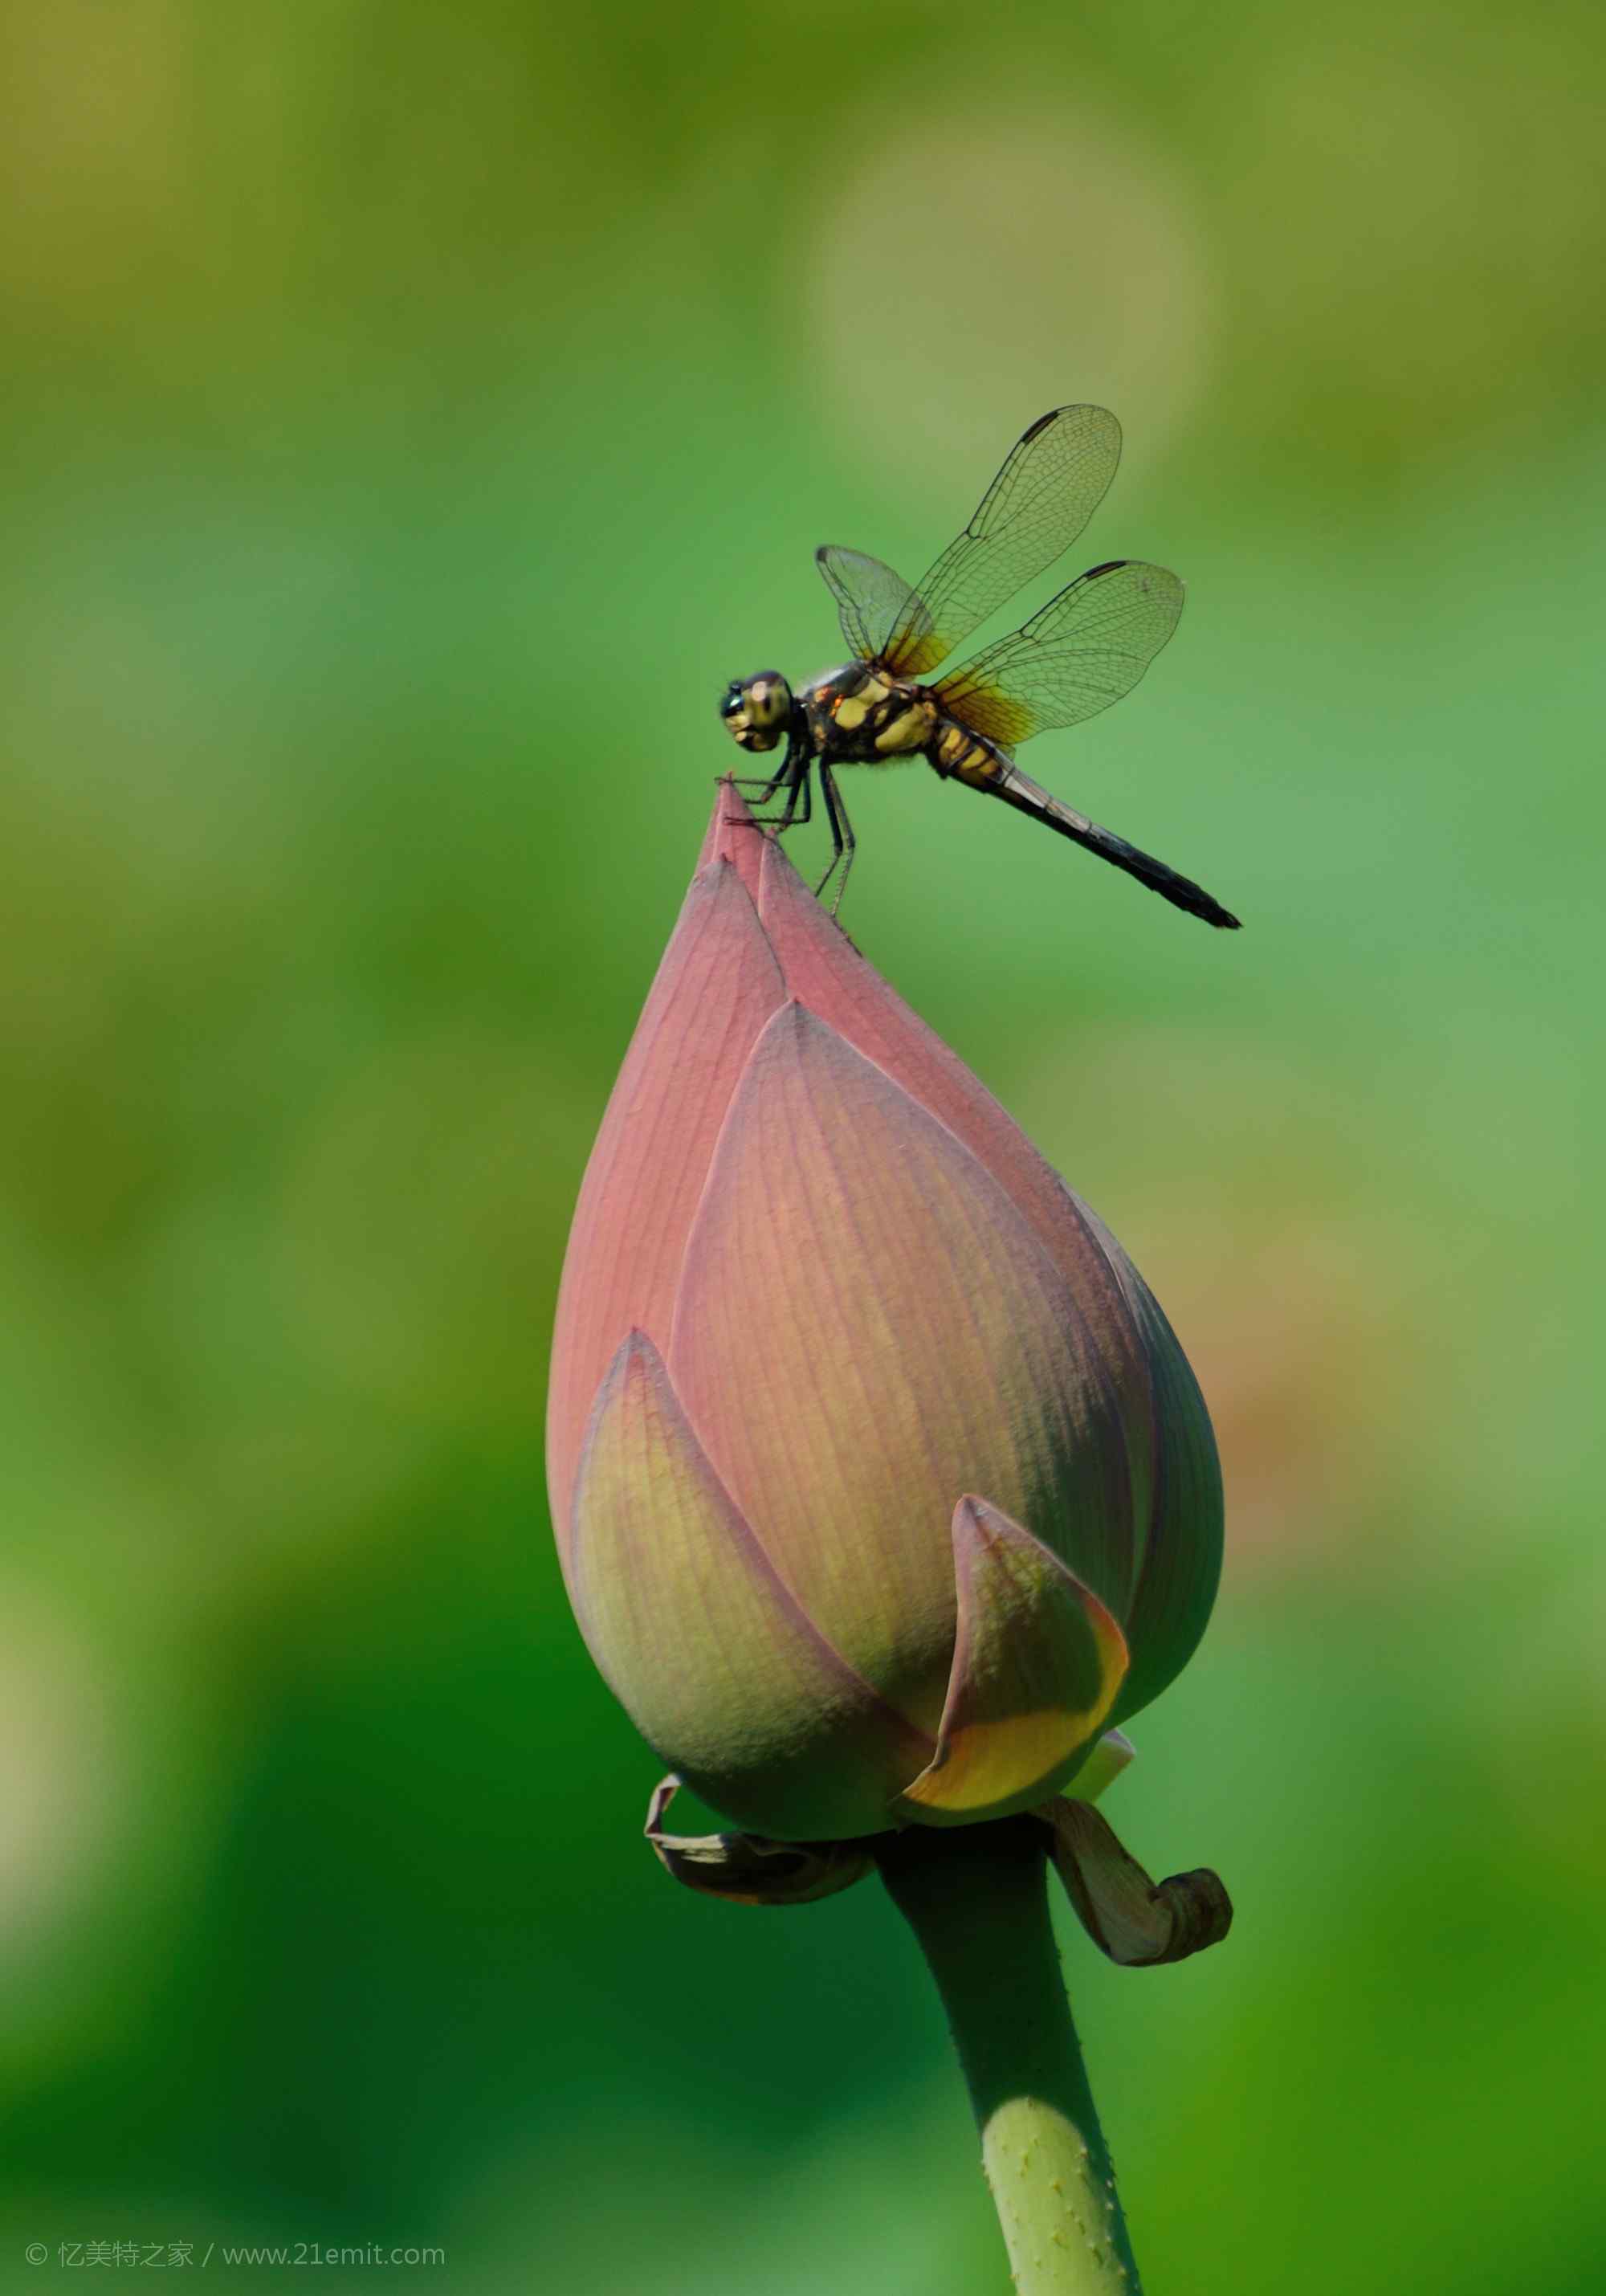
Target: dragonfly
[[1087, 648]]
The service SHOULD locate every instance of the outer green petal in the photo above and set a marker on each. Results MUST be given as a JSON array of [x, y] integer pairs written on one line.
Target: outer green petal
[[705, 1648], [1103, 1765], [1037, 1661]]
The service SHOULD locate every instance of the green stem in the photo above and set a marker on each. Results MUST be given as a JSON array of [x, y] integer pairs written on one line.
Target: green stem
[[976, 1897]]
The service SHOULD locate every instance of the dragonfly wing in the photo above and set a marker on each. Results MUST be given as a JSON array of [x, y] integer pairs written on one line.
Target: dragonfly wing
[[1087, 648], [1017, 789], [872, 600], [1050, 485]]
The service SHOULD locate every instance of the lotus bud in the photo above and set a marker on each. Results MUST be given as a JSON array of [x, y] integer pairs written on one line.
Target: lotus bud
[[883, 1488]]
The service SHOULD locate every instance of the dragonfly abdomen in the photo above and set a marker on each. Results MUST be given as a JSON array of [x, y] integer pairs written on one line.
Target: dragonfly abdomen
[[966, 757]]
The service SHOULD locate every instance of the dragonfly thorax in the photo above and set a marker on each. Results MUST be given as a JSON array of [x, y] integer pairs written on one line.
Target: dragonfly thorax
[[861, 715]]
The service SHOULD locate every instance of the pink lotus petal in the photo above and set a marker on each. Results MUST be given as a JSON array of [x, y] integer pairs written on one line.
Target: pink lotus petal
[[866, 1328], [703, 1646], [1181, 1567], [733, 835], [1170, 1448], [716, 988], [1037, 1661], [824, 971]]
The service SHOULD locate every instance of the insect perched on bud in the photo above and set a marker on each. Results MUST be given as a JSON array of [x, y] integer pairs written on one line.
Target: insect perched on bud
[[1084, 650]]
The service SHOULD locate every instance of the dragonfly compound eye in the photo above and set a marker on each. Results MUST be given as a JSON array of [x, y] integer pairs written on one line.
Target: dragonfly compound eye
[[757, 711], [768, 701]]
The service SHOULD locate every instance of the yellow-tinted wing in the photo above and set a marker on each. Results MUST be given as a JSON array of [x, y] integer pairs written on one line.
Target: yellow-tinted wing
[[1086, 648], [1050, 485]]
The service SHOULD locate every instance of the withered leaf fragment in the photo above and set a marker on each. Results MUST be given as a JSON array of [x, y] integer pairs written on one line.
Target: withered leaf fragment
[[749, 1869], [1136, 1922]]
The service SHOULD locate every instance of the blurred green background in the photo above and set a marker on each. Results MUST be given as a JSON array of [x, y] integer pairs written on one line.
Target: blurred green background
[[414, 415]]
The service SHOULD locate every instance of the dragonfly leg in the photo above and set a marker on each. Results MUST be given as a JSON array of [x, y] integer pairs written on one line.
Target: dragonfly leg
[[755, 788], [794, 775], [798, 781], [803, 787], [842, 838]]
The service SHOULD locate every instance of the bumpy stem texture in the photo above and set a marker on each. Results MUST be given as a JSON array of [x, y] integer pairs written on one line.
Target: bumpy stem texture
[[976, 1898]]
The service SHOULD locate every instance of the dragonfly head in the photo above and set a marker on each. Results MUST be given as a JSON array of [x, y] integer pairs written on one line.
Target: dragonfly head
[[757, 711]]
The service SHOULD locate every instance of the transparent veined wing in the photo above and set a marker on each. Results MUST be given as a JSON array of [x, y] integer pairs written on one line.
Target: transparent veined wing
[[1087, 648], [870, 598], [1052, 482]]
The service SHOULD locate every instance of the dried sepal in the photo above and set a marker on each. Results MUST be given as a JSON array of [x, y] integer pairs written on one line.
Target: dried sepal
[[1136, 1922], [749, 1869]]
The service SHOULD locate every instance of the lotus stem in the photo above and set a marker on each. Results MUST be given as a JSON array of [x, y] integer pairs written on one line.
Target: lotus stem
[[976, 1898]]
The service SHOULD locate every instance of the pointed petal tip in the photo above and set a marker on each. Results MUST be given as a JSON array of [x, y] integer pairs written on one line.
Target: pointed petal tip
[[1037, 1662], [734, 835]]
